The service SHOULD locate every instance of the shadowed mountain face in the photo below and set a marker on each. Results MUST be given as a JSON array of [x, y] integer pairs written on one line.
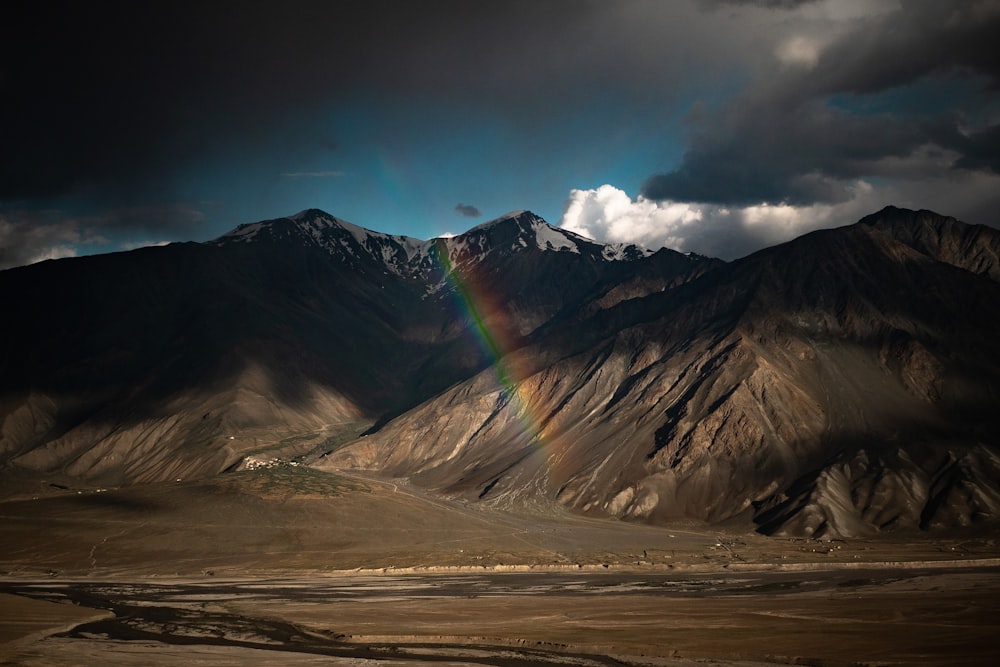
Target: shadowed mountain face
[[842, 384], [180, 361]]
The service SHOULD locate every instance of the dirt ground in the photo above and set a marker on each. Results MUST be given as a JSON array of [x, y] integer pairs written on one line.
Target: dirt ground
[[298, 566]]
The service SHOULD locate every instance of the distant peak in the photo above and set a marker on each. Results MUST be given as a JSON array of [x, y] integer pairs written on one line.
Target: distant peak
[[895, 215], [310, 213], [889, 211], [311, 217], [516, 216], [311, 223]]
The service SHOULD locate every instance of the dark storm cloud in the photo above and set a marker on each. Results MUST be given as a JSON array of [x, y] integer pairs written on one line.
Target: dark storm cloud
[[170, 218], [799, 155], [981, 150], [804, 133], [467, 210], [108, 106], [112, 98], [922, 38], [115, 94], [115, 104], [767, 4], [107, 93], [31, 236], [24, 243]]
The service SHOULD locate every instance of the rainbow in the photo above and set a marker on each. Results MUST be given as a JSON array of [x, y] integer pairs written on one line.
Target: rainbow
[[476, 304]]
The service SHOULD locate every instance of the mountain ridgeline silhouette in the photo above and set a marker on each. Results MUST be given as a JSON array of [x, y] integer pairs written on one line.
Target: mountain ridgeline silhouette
[[842, 384]]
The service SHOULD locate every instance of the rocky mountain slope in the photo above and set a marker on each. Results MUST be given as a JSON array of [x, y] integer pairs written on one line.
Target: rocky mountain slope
[[277, 337], [845, 383], [842, 384]]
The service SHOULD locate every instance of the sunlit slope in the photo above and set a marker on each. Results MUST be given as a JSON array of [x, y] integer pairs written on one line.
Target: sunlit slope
[[841, 384]]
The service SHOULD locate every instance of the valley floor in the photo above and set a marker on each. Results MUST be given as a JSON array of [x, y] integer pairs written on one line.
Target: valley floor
[[301, 567], [938, 616]]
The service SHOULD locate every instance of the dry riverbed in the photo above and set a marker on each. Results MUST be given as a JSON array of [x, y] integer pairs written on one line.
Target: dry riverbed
[[308, 568], [840, 616]]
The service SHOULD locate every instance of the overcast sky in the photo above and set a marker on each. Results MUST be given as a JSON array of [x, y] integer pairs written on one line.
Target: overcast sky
[[709, 126]]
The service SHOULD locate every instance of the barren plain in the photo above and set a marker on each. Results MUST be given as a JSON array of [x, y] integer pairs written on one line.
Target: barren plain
[[297, 566]]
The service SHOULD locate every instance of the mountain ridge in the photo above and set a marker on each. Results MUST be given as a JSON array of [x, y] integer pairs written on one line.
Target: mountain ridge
[[412, 258], [755, 404], [843, 383], [308, 325]]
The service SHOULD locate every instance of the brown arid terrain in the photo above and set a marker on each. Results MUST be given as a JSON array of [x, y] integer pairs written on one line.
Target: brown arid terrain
[[293, 565], [842, 385], [323, 444], [518, 333]]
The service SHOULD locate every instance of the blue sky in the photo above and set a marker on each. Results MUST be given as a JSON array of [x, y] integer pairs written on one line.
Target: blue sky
[[402, 168], [714, 126]]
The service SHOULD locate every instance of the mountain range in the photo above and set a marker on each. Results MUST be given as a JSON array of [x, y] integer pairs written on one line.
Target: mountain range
[[846, 383]]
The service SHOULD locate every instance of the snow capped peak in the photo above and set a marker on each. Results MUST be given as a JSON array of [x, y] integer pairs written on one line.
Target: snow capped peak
[[510, 234], [309, 219], [505, 218], [309, 213], [528, 229], [344, 240], [313, 220]]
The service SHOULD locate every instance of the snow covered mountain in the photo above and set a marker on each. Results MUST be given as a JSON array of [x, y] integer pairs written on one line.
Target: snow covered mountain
[[348, 243], [512, 233]]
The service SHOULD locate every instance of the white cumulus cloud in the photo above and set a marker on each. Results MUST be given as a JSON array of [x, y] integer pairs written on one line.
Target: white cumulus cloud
[[610, 215]]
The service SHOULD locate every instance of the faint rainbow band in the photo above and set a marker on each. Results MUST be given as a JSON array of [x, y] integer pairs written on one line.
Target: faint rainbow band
[[469, 301]]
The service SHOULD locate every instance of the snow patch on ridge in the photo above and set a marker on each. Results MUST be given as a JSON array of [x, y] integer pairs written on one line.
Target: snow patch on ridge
[[401, 255], [549, 238], [617, 252]]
